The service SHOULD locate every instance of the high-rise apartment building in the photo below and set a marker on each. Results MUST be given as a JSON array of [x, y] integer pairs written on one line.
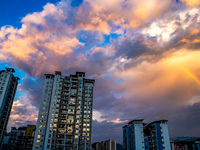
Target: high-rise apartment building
[[8, 86], [141, 136], [158, 135], [133, 136], [65, 115]]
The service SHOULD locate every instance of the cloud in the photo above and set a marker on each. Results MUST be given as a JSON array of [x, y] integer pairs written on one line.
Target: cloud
[[191, 3], [33, 90], [36, 39], [55, 32], [22, 113]]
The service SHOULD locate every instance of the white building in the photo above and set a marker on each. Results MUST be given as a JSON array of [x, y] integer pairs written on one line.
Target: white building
[[158, 135], [8, 86], [133, 135], [65, 115], [141, 136]]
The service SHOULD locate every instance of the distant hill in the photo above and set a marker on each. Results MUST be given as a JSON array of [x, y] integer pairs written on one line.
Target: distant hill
[[119, 146], [177, 139]]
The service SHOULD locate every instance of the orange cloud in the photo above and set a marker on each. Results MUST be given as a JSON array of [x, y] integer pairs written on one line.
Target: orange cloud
[[161, 82], [133, 13], [190, 41], [50, 10], [191, 3]]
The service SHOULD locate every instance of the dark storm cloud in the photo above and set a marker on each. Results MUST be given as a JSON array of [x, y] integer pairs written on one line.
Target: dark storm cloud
[[185, 122], [133, 49], [102, 131], [33, 89]]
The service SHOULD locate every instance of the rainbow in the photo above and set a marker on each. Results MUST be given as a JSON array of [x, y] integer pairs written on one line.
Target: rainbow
[[192, 75]]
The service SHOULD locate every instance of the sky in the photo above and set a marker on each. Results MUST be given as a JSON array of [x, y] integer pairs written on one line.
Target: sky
[[144, 57]]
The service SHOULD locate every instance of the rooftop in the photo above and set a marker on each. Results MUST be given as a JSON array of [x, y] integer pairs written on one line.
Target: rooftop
[[136, 120]]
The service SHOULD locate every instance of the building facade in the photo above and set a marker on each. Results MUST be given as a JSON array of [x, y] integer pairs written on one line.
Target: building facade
[[25, 142], [186, 144], [108, 145], [104, 145], [5, 141], [141, 136], [14, 135], [133, 137], [8, 86], [158, 135], [65, 115], [20, 138]]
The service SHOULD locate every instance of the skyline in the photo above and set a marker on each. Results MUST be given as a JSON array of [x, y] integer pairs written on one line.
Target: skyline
[[143, 55]]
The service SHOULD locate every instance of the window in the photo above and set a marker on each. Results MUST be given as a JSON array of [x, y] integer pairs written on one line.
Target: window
[[38, 141], [61, 130], [38, 136]]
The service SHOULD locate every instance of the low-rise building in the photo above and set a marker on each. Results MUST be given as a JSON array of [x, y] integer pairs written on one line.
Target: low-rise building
[[14, 135], [187, 145], [104, 145], [21, 138]]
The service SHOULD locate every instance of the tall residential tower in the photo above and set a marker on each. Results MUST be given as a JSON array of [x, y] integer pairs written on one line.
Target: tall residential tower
[[65, 115], [158, 135], [141, 136], [8, 86], [133, 136]]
